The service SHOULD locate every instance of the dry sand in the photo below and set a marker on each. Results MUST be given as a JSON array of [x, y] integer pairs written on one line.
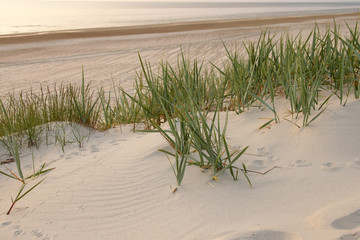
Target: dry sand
[[55, 57], [118, 186]]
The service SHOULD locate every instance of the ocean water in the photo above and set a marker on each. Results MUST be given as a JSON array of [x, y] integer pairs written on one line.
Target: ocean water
[[42, 16]]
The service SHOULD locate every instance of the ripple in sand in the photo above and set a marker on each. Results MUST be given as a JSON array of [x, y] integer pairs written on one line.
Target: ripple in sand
[[261, 235]]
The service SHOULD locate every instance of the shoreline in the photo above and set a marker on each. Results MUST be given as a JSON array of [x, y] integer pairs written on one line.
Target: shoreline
[[160, 28]]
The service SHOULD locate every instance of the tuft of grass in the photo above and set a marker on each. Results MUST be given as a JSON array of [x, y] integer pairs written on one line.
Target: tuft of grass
[[188, 122], [23, 180], [85, 103], [181, 145], [19, 196]]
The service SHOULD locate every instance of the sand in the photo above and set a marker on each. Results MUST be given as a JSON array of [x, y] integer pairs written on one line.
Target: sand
[[118, 186], [26, 64]]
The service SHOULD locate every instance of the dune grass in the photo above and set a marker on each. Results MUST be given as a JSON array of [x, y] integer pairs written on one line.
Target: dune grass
[[188, 97]]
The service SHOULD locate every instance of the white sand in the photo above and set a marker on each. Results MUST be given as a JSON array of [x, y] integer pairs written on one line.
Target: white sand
[[118, 186]]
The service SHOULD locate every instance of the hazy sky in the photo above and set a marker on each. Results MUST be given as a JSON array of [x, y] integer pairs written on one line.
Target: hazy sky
[[190, 0], [216, 0], [208, 0], [223, 0]]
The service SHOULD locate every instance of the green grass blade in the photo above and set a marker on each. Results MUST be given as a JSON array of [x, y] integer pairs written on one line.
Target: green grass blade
[[18, 198], [8, 175]]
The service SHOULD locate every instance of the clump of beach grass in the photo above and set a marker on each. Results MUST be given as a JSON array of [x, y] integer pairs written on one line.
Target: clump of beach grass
[[187, 112]]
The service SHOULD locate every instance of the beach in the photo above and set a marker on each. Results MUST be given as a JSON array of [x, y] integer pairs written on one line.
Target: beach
[[119, 186], [111, 55]]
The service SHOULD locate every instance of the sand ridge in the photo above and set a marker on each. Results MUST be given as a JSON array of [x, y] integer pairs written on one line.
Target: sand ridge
[[118, 184]]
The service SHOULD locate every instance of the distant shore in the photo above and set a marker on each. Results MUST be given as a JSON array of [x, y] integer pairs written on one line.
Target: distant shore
[[160, 28]]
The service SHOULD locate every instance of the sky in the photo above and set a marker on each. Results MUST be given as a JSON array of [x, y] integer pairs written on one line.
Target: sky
[[207, 0], [223, 0], [358, 1]]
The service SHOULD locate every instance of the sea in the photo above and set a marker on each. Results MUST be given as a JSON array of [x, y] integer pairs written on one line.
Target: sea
[[18, 16]]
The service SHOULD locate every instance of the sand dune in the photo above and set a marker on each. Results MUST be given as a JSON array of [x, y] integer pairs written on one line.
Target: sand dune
[[119, 185]]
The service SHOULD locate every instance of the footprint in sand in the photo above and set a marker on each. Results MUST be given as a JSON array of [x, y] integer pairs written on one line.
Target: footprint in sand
[[47, 238], [37, 233], [261, 235], [331, 167], [260, 159], [5, 224], [94, 149], [350, 221], [355, 236], [355, 164], [18, 232], [263, 151], [300, 163], [256, 164]]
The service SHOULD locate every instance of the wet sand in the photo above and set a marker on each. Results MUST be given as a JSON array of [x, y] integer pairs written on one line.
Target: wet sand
[[160, 28]]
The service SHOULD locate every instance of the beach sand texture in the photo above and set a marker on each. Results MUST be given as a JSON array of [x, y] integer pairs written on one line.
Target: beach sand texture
[[118, 186], [29, 63]]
